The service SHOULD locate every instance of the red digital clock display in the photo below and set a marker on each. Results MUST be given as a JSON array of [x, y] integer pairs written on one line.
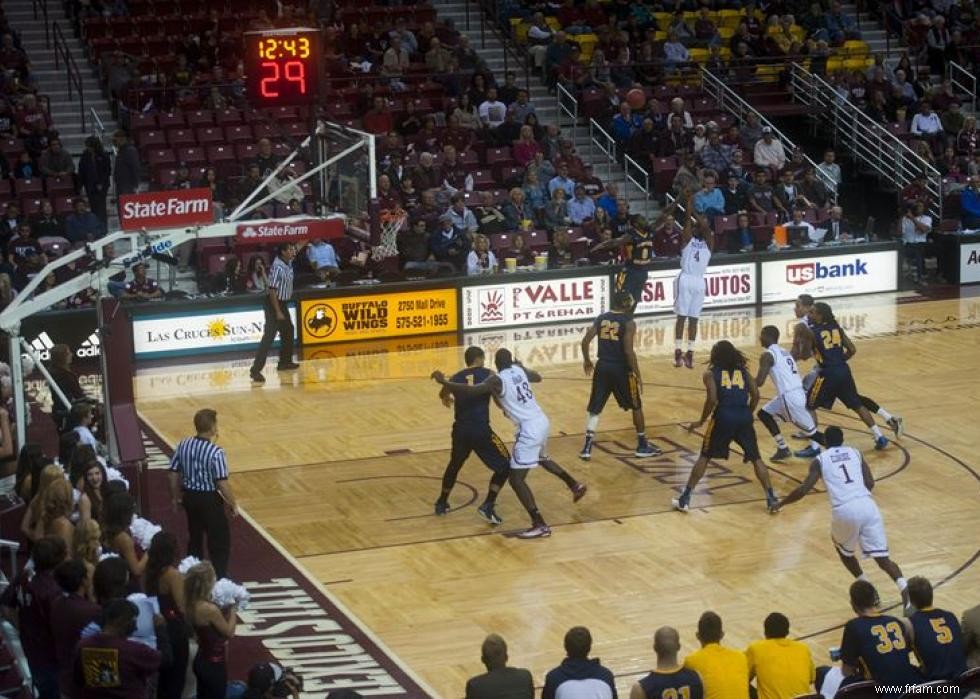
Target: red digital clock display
[[282, 66]]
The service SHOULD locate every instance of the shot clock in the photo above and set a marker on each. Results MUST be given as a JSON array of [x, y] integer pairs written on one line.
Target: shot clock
[[282, 66]]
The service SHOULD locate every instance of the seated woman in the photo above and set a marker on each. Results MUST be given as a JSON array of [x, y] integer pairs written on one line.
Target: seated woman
[[520, 251], [560, 253], [481, 259]]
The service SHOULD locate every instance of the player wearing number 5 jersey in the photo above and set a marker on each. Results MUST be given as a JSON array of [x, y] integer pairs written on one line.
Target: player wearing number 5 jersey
[[731, 398], [855, 523], [936, 635], [696, 242], [617, 373], [875, 646], [512, 387], [789, 404]]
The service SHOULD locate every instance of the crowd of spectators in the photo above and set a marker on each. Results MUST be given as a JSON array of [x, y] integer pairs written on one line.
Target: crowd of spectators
[[774, 667]]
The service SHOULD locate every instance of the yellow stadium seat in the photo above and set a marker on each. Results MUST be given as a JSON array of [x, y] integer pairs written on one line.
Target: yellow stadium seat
[[726, 33], [553, 23], [799, 34], [699, 56], [726, 53], [663, 19], [690, 16], [660, 36], [520, 30], [729, 14], [854, 64], [768, 73], [835, 64], [855, 47]]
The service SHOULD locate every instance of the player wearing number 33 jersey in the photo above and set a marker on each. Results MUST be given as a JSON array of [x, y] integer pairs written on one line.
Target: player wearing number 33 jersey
[[855, 523]]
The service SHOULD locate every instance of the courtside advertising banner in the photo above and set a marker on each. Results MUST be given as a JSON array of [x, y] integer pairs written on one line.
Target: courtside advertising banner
[[377, 316], [970, 263], [534, 301], [830, 275], [288, 231], [170, 209], [724, 285], [226, 329]]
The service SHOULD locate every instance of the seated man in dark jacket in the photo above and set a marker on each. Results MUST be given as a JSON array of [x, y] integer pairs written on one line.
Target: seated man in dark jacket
[[499, 681], [578, 670], [448, 243]]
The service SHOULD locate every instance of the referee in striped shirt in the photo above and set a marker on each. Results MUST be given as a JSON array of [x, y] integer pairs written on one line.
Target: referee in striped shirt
[[277, 320], [199, 481]]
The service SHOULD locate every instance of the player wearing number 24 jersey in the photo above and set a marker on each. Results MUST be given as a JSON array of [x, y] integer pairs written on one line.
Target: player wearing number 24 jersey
[[856, 525]]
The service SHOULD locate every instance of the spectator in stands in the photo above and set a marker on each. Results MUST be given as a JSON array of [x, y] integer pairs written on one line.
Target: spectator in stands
[[521, 107], [394, 64], [449, 243], [31, 118], [572, 75], [46, 223], [676, 140], [55, 161], [782, 667], [456, 136], [539, 36], [723, 671], [481, 259], [219, 191], [953, 121], [461, 216], [455, 176], [499, 680], [426, 175], [257, 279], [927, 125], [736, 195], [230, 279], [568, 157], [902, 90], [741, 239], [127, 172], [581, 208], [970, 623], [142, 288], [562, 181], [74, 611], [643, 143], [466, 114], [413, 249], [265, 158], [916, 191], [578, 674], [378, 120], [409, 124], [669, 677], [709, 200], [715, 155], [686, 178], [551, 146], [388, 197], [675, 53], [840, 26], [699, 139], [25, 247], [837, 227], [535, 193], [557, 52], [428, 139], [625, 124], [556, 211], [813, 191], [966, 139], [489, 216], [769, 151], [786, 192], [593, 185], [410, 197], [520, 251], [94, 169], [916, 234], [288, 190], [516, 210], [507, 132], [24, 169], [492, 111], [509, 90], [761, 198], [323, 259], [751, 131], [829, 167], [526, 147], [560, 253], [28, 603]]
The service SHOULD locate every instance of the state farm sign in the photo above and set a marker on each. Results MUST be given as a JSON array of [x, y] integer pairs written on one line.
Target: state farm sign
[[830, 275], [534, 301], [724, 285], [289, 230], [172, 209]]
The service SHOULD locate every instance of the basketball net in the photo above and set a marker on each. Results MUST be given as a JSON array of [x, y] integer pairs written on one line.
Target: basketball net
[[392, 221]]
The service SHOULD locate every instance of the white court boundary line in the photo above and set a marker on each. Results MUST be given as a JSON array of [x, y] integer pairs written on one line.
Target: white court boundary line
[[320, 587]]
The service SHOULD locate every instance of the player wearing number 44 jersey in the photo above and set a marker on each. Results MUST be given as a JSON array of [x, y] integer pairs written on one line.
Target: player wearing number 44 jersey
[[617, 373], [855, 522], [731, 398], [512, 387]]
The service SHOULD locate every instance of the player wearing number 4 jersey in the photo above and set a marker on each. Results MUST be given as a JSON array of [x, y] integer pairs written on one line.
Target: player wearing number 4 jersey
[[512, 387], [696, 242], [617, 373], [789, 404], [855, 523], [731, 398]]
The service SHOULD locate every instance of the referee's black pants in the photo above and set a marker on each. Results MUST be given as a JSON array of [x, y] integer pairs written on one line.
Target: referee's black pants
[[273, 327], [206, 517]]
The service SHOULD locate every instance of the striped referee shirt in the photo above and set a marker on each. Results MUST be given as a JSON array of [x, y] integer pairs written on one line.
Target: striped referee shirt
[[200, 463], [281, 279]]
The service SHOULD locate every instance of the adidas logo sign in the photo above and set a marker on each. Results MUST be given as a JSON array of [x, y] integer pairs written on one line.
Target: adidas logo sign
[[42, 344], [90, 347]]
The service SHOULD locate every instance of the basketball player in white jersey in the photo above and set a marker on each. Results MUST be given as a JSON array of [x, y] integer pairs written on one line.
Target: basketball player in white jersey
[[511, 387], [789, 404], [696, 242], [856, 522], [801, 350]]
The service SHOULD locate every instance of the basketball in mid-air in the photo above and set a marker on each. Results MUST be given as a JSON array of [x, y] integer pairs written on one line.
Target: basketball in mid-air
[[636, 98]]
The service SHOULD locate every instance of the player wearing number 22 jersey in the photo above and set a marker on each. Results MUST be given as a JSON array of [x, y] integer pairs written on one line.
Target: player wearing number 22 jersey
[[731, 398], [512, 388], [856, 525]]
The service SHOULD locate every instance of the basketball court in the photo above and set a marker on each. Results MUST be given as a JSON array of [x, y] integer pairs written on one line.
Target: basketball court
[[339, 464]]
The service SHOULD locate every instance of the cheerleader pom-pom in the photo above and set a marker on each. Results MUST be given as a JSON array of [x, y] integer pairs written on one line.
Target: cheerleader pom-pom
[[230, 594]]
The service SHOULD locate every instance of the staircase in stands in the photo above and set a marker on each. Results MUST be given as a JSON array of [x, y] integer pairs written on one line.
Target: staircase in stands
[[544, 102], [52, 81]]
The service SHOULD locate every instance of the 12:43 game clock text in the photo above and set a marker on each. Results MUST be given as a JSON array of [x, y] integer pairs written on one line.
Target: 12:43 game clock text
[[282, 66]]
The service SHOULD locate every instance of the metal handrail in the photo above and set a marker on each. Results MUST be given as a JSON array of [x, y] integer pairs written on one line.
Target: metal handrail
[[567, 106], [512, 52], [641, 181], [728, 100], [99, 124], [867, 141], [600, 139], [72, 74], [960, 77], [43, 5]]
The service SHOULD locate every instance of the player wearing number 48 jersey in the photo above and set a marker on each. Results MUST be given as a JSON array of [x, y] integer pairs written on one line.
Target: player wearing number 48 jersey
[[617, 373], [855, 523], [731, 398], [512, 387]]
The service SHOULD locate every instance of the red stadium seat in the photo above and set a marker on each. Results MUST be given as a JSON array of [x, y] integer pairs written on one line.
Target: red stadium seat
[[482, 179], [61, 185], [216, 263], [181, 137], [209, 135], [220, 154], [151, 139], [537, 240], [28, 188], [228, 117], [500, 241], [63, 205], [173, 120], [200, 117], [246, 151], [193, 155], [161, 157], [239, 133]]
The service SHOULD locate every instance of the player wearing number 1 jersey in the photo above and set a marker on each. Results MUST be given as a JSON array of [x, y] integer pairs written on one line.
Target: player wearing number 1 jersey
[[617, 373], [855, 524], [696, 242], [731, 398], [512, 386]]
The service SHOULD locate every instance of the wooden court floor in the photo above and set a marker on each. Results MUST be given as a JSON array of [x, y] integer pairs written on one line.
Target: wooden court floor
[[340, 463]]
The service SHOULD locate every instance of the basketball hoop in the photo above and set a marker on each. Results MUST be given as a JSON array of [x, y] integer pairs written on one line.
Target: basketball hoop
[[392, 221]]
